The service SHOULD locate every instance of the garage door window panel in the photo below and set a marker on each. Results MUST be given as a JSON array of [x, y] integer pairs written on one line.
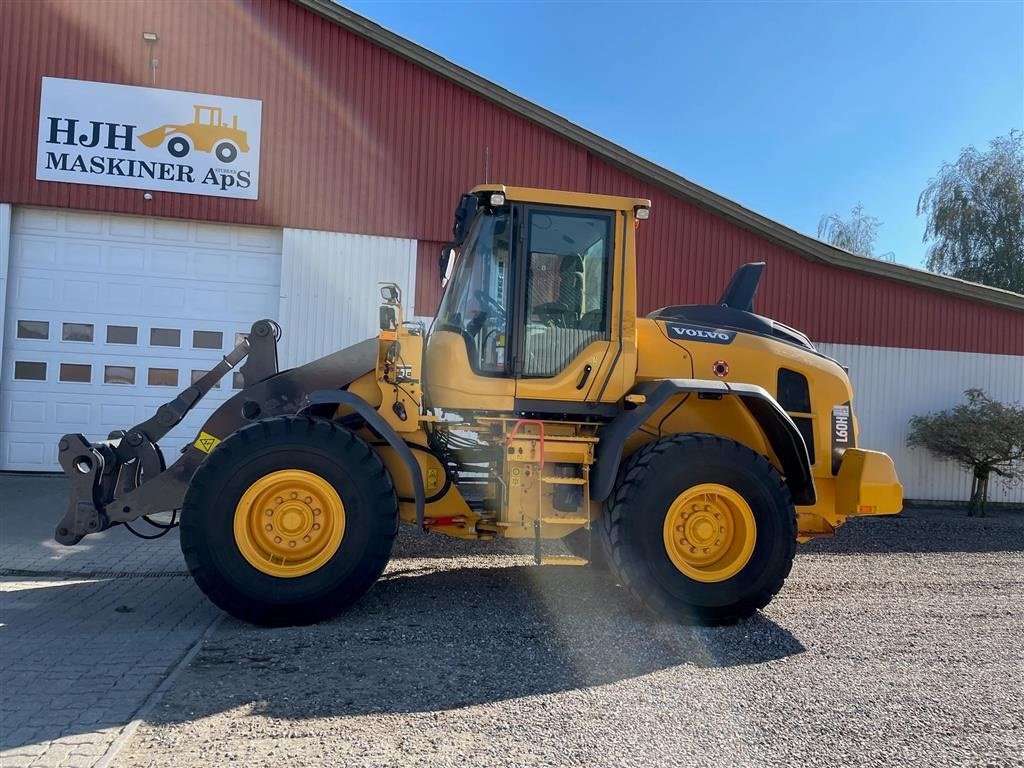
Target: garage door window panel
[[77, 373], [207, 339], [165, 337], [29, 370], [77, 332], [122, 334], [34, 329], [162, 377], [118, 374]]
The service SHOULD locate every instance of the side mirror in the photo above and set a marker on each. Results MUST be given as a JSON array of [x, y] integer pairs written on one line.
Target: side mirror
[[447, 264], [464, 213]]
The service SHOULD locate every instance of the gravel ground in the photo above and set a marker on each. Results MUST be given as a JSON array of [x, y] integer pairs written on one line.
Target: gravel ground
[[898, 643]]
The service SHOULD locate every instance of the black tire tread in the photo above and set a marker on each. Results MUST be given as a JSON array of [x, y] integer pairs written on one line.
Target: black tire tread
[[225, 457], [632, 476]]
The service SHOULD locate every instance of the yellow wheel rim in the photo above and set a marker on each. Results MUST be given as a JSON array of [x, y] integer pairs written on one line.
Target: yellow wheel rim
[[289, 523], [709, 532]]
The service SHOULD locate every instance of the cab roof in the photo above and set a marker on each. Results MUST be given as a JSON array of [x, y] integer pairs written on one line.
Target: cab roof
[[568, 199]]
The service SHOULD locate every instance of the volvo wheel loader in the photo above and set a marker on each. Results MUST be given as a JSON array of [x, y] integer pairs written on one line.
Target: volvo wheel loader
[[688, 450]]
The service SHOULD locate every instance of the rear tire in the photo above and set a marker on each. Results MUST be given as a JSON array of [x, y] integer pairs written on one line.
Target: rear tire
[[226, 152], [217, 533], [699, 478]]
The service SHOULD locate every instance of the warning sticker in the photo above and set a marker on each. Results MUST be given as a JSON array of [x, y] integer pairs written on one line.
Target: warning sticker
[[206, 442]]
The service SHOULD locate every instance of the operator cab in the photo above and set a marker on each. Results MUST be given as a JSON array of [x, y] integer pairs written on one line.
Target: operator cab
[[530, 297]]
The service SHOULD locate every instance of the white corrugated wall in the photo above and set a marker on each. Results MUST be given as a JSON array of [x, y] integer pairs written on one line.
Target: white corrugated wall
[[5, 260], [330, 289], [890, 385]]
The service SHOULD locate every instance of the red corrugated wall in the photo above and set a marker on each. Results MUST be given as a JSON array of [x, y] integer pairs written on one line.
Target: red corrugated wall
[[357, 139]]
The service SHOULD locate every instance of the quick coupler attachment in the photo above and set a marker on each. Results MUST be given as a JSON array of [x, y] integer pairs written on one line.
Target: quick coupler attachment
[[85, 465]]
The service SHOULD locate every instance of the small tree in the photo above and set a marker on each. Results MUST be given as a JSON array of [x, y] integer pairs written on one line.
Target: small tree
[[982, 435], [856, 234]]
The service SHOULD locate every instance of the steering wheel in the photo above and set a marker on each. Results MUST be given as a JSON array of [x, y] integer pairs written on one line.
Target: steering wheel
[[491, 303], [554, 314]]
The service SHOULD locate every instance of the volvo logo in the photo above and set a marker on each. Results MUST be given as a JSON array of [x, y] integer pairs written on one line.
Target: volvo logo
[[700, 334]]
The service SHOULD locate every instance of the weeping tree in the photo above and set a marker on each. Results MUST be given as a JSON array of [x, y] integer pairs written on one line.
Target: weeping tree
[[856, 234], [983, 435], [975, 215]]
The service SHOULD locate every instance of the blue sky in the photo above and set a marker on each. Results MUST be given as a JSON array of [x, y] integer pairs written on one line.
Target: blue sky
[[793, 109]]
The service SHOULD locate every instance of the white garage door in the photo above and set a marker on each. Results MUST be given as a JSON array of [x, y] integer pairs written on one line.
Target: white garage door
[[110, 316]]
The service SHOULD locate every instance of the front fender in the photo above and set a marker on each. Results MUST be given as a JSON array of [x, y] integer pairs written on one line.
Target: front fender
[[381, 427], [780, 431]]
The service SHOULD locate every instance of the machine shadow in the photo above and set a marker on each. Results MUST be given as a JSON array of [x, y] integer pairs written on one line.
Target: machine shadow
[[429, 640]]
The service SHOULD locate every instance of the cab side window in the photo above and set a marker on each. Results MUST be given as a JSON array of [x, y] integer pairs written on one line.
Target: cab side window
[[567, 266], [475, 305]]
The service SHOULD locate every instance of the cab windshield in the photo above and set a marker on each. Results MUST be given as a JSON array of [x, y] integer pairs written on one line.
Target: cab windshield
[[475, 305]]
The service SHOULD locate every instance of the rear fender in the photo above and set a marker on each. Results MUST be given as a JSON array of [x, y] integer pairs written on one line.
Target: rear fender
[[780, 433]]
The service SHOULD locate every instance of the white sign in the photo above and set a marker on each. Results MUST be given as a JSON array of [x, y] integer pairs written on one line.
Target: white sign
[[147, 138]]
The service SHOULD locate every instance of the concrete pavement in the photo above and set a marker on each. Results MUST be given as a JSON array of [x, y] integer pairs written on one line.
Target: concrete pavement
[[87, 633]]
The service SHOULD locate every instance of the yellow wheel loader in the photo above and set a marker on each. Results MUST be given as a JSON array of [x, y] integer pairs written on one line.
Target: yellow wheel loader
[[206, 133], [688, 450]]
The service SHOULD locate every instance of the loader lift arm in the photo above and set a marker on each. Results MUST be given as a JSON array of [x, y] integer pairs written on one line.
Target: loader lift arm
[[116, 469]]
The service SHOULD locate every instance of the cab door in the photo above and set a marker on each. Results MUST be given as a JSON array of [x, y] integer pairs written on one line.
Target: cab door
[[568, 321]]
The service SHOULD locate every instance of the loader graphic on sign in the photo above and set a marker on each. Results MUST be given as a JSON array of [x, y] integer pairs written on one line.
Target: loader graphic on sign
[[206, 133]]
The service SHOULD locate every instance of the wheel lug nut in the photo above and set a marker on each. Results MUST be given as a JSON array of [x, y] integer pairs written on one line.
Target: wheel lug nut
[[316, 526], [295, 495], [279, 500], [309, 499], [277, 539], [305, 538], [316, 511], [680, 528], [692, 550], [291, 543], [270, 527], [705, 550]]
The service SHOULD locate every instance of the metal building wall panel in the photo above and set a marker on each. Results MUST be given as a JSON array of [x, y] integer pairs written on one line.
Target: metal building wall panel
[[330, 289], [5, 261], [890, 385], [358, 139]]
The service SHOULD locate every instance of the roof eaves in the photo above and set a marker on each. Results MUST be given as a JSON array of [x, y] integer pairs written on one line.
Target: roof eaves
[[807, 247]]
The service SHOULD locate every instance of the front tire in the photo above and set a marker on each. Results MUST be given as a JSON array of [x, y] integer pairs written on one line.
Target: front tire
[[178, 146], [289, 521], [701, 529]]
